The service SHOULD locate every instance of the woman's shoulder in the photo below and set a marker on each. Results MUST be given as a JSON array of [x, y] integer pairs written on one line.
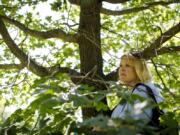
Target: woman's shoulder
[[142, 89], [156, 91], [145, 86]]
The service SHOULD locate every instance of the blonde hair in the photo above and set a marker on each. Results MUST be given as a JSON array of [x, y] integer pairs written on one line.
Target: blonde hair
[[140, 67]]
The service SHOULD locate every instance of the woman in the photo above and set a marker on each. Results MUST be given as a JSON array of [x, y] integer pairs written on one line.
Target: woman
[[134, 73]]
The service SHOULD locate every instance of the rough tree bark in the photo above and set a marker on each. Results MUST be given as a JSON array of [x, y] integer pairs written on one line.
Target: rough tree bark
[[89, 41]]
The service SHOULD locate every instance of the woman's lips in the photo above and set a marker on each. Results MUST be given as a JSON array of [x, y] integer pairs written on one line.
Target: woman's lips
[[123, 74]]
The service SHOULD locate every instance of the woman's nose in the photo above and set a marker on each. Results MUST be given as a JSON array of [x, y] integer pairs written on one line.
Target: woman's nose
[[122, 69]]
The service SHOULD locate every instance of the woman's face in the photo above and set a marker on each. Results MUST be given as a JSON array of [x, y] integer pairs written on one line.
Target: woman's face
[[127, 72]]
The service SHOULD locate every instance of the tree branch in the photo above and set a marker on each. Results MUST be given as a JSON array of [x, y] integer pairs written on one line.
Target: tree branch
[[157, 72], [11, 66], [25, 60], [115, 1], [160, 77], [54, 70], [78, 2], [151, 51], [98, 84], [164, 50], [54, 33], [77, 78], [136, 9], [112, 76]]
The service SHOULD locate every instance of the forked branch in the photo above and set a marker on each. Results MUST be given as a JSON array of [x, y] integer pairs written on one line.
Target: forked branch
[[26, 61], [154, 48], [11, 66]]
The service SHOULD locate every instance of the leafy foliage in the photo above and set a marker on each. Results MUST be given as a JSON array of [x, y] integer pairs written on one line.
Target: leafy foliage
[[53, 104]]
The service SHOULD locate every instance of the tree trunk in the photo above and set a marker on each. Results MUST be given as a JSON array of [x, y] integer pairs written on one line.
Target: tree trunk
[[89, 41]]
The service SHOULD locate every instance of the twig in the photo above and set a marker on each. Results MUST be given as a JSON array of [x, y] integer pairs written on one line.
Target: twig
[[165, 87]]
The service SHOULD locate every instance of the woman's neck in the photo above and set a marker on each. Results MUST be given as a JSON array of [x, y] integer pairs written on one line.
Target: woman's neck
[[132, 84]]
